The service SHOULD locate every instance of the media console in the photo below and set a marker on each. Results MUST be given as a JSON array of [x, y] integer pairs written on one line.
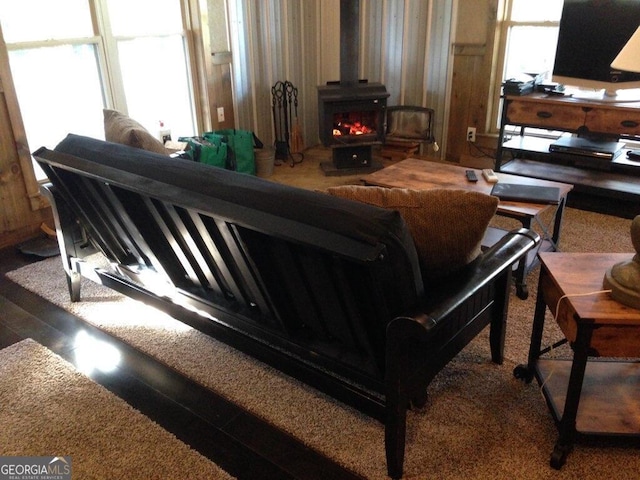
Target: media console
[[526, 153]]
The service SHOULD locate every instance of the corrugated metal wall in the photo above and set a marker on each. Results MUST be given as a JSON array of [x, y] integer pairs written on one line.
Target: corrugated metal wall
[[404, 44]]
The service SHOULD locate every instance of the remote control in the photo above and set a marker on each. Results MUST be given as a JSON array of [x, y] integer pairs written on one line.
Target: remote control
[[489, 175], [633, 155], [471, 176]]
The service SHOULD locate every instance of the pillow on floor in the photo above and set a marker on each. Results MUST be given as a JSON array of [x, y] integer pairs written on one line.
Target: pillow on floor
[[447, 225], [120, 128]]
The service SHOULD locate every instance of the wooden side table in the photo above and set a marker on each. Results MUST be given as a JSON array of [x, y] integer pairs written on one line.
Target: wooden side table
[[585, 397]]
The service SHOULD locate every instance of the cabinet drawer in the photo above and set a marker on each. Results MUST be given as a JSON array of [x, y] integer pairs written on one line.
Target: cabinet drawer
[[545, 115], [617, 122]]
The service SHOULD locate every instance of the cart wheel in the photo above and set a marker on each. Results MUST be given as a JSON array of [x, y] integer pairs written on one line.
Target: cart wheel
[[523, 372], [558, 457]]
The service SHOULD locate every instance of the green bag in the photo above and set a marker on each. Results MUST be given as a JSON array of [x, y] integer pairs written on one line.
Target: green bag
[[208, 152], [240, 148]]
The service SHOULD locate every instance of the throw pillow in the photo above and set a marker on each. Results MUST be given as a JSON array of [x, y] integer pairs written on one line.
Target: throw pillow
[[120, 128], [447, 225]]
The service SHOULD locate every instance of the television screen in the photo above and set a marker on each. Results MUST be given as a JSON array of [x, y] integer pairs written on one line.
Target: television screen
[[591, 34]]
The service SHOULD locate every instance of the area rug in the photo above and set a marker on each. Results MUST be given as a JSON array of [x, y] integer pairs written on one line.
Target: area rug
[[49, 409], [480, 422]]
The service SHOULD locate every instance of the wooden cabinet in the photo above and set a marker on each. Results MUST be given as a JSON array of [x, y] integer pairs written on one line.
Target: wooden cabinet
[[544, 115], [569, 115], [524, 151], [616, 121]]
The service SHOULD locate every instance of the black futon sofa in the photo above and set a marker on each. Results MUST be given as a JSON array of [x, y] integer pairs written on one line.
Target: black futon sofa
[[325, 289]]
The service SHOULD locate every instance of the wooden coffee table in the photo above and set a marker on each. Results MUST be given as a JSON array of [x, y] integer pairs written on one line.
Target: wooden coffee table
[[585, 397], [424, 175]]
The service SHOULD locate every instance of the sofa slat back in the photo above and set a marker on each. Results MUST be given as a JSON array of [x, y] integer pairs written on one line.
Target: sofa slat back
[[325, 292]]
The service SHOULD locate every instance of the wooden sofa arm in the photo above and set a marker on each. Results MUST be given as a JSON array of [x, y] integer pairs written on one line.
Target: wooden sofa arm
[[422, 342], [488, 278], [448, 296]]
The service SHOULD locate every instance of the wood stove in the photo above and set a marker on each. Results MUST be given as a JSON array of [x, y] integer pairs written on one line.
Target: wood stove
[[351, 112], [352, 119]]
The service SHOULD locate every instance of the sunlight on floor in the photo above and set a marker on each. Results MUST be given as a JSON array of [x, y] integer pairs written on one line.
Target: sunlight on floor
[[93, 354], [119, 311]]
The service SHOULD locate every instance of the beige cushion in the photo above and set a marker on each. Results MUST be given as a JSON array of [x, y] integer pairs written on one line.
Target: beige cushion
[[120, 128], [447, 225]]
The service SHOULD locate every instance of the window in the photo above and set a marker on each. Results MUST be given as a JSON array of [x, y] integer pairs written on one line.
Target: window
[[528, 37], [531, 36], [129, 55]]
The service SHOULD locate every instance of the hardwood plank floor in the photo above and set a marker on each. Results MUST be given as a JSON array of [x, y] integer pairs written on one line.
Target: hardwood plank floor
[[233, 438]]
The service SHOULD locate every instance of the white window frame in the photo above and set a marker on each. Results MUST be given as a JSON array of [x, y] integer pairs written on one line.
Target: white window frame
[[105, 45], [505, 23]]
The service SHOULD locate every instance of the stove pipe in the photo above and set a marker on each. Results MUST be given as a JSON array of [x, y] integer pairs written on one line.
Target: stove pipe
[[349, 41]]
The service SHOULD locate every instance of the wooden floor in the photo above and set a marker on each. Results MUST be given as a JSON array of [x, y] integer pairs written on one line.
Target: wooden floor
[[231, 437]]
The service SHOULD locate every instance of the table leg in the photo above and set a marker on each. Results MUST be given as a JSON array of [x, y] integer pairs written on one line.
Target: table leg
[[567, 425], [522, 291], [526, 372], [557, 223], [553, 238]]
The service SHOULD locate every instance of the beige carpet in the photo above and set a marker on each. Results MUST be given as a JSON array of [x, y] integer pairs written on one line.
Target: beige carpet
[[47, 408], [480, 422]]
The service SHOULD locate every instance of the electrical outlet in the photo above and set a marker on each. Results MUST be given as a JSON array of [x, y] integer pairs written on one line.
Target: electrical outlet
[[220, 114], [471, 134]]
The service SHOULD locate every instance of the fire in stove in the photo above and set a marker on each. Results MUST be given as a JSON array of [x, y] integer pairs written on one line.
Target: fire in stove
[[352, 114], [354, 124]]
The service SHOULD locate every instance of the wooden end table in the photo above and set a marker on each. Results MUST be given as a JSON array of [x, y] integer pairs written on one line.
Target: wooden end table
[[585, 398], [420, 174]]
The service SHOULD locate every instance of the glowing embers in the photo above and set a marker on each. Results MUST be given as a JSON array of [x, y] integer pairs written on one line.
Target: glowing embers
[[351, 113], [355, 123]]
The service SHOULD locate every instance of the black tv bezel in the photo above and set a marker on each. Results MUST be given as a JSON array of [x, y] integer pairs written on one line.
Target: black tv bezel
[[585, 27]]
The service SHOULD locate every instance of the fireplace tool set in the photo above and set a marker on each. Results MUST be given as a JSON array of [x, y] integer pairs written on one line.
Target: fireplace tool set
[[288, 136]]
